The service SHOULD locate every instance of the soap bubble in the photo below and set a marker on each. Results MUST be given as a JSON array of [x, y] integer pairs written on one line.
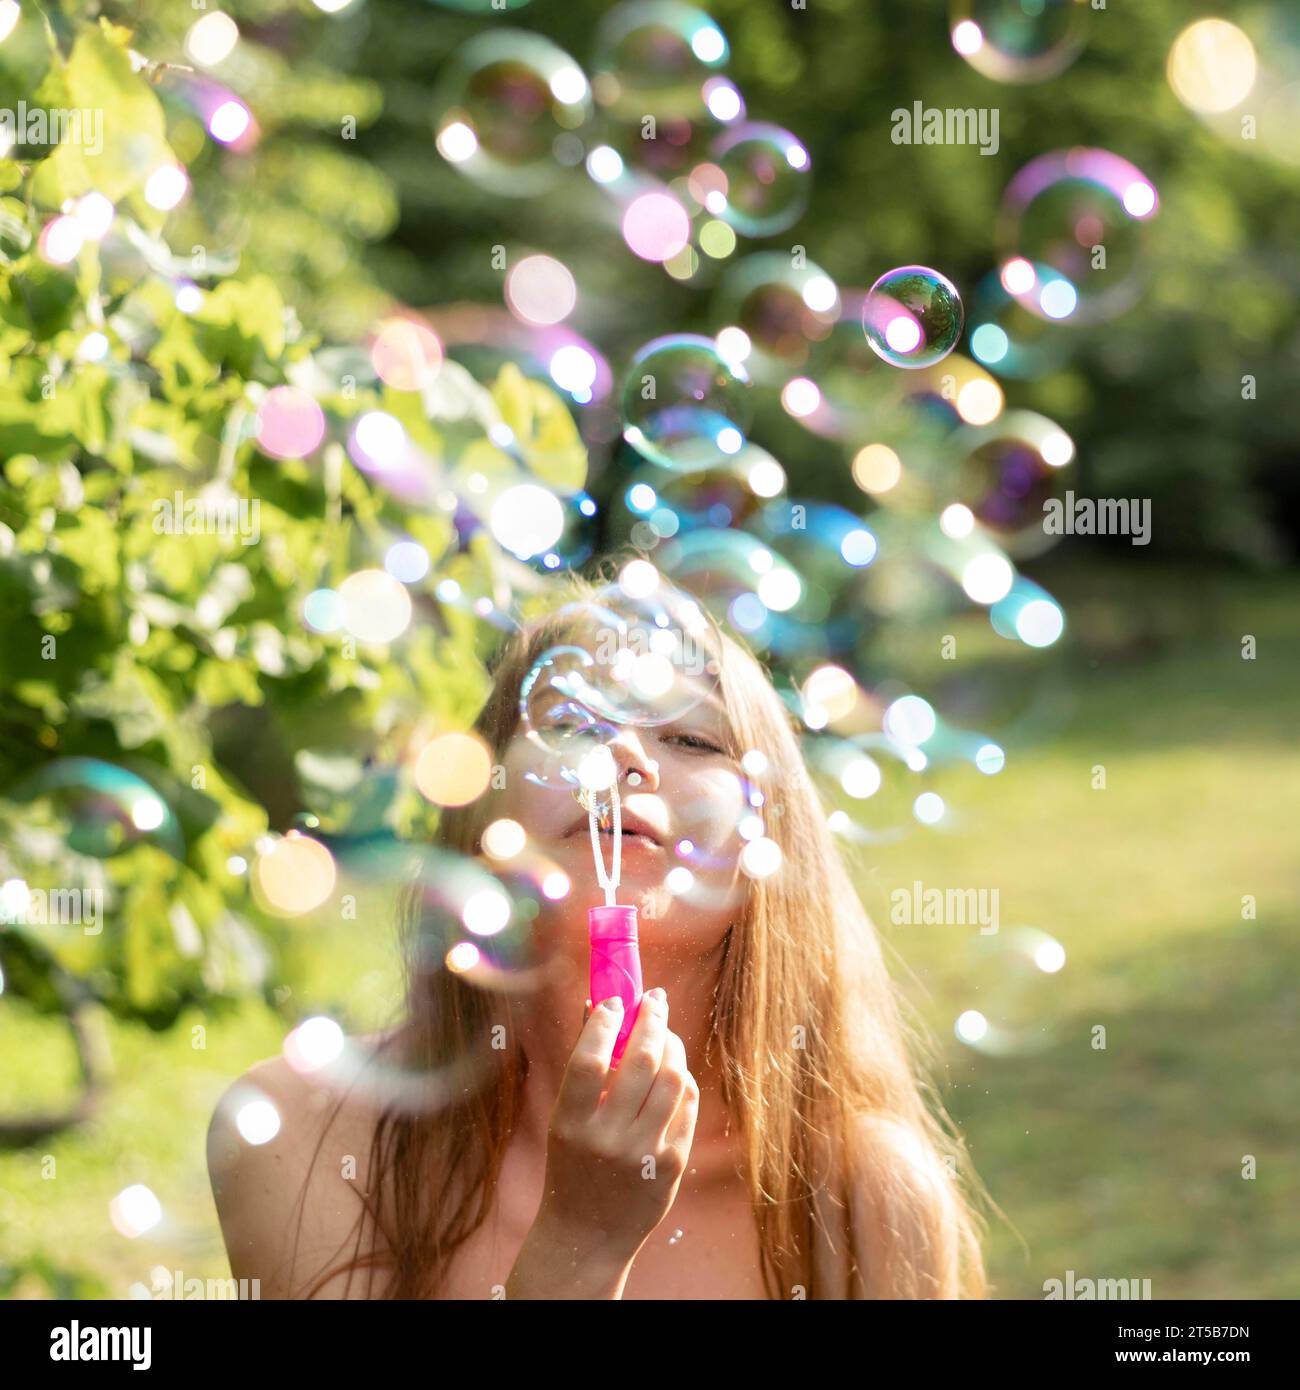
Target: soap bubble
[[405, 353], [874, 783], [506, 100], [728, 495], [912, 316], [654, 58], [564, 716], [656, 227], [680, 144], [575, 541], [1018, 40], [684, 405], [294, 875], [454, 769], [376, 608], [1081, 214], [1013, 994], [1009, 472], [1028, 614], [1005, 335], [828, 548], [767, 174], [747, 582], [783, 310], [106, 808], [465, 929], [639, 652]]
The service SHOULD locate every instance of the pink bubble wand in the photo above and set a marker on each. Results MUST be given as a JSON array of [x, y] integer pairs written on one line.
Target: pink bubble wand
[[612, 929]]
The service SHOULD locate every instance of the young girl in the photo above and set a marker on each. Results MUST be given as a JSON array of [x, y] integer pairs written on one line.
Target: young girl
[[765, 1134]]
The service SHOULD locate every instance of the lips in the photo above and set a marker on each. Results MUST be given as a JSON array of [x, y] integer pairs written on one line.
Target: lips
[[634, 828]]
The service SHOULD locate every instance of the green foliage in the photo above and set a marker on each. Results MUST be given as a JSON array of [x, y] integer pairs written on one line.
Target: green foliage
[[180, 655]]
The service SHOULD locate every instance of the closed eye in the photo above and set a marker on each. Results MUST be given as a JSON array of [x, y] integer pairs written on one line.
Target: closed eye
[[694, 741]]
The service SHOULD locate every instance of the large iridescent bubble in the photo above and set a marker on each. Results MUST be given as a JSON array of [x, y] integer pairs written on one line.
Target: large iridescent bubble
[[1018, 40], [685, 405], [1082, 214], [912, 316], [505, 109]]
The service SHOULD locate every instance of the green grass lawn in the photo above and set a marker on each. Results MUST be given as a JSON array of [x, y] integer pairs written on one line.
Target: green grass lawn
[[1117, 1163]]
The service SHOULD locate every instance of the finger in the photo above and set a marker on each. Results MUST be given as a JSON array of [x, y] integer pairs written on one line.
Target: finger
[[587, 1073], [670, 1085], [586, 1013], [640, 1062], [681, 1129]]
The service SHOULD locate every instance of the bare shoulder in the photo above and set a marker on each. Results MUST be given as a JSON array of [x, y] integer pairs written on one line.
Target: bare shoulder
[[290, 1207]]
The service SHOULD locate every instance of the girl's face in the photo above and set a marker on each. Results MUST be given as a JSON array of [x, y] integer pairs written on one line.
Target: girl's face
[[683, 799]]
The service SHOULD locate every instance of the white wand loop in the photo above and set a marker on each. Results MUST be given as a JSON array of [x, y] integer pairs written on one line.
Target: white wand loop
[[608, 881]]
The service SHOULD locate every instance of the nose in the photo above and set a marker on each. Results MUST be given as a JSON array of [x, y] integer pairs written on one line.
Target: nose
[[637, 771]]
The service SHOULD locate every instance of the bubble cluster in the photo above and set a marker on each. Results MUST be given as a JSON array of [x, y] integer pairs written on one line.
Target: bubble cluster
[[448, 453]]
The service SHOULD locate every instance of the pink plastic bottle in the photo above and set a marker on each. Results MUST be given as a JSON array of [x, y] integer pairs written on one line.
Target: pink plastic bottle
[[615, 964]]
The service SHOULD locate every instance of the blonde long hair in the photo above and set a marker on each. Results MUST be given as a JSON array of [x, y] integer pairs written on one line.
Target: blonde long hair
[[859, 1184]]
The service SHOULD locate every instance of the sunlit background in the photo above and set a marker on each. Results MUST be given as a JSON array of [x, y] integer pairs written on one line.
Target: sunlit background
[[470, 297]]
